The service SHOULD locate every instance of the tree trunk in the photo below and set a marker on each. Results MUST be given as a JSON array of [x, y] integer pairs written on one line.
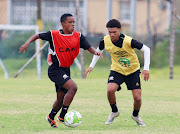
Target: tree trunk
[[80, 30], [172, 38], [149, 41]]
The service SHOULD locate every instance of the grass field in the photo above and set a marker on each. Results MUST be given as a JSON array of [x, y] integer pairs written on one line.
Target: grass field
[[25, 102]]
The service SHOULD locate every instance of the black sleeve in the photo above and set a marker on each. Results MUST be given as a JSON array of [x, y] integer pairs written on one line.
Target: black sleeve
[[136, 44], [46, 36], [101, 44], [84, 43]]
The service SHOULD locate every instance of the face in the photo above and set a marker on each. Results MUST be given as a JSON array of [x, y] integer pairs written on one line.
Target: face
[[114, 33], [68, 25]]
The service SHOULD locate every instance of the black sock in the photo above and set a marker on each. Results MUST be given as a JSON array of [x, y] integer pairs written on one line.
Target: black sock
[[63, 111], [52, 114], [114, 107], [135, 112]]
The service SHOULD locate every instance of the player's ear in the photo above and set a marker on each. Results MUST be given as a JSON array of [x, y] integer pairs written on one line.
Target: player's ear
[[119, 30], [62, 23]]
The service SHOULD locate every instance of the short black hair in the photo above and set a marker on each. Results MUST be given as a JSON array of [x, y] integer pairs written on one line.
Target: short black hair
[[64, 17], [113, 23]]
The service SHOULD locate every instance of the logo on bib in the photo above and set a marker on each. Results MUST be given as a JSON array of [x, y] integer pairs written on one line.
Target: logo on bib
[[124, 62]]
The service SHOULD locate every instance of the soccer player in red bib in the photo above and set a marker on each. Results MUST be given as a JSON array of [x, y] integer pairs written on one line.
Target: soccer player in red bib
[[64, 48]]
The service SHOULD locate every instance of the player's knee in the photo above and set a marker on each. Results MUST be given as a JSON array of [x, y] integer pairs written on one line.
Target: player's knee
[[74, 88], [137, 98], [111, 91]]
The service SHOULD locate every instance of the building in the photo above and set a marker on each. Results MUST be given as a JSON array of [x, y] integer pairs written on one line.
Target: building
[[4, 11], [93, 14], [121, 10]]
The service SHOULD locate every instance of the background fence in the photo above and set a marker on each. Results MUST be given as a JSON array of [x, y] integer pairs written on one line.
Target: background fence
[[25, 12]]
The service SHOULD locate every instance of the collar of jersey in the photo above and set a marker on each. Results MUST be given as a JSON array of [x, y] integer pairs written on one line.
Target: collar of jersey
[[62, 33]]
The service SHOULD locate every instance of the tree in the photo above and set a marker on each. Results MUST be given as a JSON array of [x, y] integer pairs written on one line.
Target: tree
[[172, 38], [79, 29]]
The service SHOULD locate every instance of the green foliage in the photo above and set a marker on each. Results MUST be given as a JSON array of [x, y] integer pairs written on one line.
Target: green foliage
[[177, 48], [160, 56], [9, 47], [49, 25]]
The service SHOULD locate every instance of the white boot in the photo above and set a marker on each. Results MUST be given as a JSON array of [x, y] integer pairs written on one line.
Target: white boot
[[138, 120], [111, 117]]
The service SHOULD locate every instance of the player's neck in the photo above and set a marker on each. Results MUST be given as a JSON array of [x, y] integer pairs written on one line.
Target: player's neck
[[66, 32], [114, 41]]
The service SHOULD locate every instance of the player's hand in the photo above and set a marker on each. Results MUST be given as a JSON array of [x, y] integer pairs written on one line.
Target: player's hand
[[88, 71], [99, 54], [145, 73], [24, 47]]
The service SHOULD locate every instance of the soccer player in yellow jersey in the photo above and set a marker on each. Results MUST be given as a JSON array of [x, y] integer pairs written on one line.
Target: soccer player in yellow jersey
[[125, 67]]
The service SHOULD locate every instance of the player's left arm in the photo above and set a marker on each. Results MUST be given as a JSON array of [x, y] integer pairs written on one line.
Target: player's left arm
[[146, 50], [145, 71]]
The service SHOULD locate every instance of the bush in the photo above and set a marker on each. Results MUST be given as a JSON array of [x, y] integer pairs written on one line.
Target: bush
[[9, 46], [160, 55]]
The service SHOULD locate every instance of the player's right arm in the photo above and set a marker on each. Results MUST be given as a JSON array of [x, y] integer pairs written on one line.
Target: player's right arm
[[24, 47], [95, 58], [44, 36]]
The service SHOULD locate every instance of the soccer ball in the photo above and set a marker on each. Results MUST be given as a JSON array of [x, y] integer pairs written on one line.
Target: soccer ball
[[72, 119]]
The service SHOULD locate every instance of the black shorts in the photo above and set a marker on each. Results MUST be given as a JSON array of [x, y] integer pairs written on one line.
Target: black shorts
[[59, 76], [133, 81]]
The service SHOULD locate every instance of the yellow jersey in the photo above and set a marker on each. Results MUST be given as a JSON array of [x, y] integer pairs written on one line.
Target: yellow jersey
[[124, 60]]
